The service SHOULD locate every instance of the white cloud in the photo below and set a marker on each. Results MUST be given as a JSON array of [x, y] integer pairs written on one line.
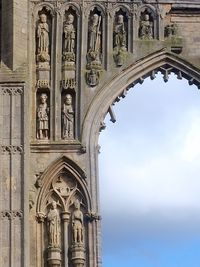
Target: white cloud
[[155, 168]]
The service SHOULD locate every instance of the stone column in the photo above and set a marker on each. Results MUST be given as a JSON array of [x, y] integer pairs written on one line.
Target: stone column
[[65, 219]]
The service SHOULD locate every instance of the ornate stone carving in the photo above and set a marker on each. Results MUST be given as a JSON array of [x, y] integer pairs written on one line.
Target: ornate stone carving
[[146, 27], [94, 50], [12, 149], [12, 214], [11, 90], [43, 118], [67, 118], [54, 227], [77, 224], [120, 36], [69, 44]]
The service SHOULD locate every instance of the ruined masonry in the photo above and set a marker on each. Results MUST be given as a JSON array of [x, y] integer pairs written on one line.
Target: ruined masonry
[[63, 67]]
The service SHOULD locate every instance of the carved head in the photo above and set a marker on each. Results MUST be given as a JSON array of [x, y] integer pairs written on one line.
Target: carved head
[[43, 18], [68, 99], [77, 204], [70, 19], [54, 204], [95, 19], [146, 17], [43, 98], [120, 19]]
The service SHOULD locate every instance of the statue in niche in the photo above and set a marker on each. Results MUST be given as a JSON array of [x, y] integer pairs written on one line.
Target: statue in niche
[[67, 118], [95, 38], [120, 48], [53, 226], [120, 33], [69, 39], [77, 224], [43, 118], [43, 39], [146, 28]]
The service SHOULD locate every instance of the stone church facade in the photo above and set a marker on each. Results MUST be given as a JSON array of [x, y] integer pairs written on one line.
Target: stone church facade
[[64, 64]]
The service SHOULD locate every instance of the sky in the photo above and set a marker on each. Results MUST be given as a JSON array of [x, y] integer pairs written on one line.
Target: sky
[[150, 177]]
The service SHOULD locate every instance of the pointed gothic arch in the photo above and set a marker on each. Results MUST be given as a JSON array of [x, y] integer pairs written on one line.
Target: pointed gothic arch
[[117, 86], [63, 165]]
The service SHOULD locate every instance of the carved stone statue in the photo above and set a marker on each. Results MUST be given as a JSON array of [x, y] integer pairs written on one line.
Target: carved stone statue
[[69, 37], [43, 118], [77, 224], [146, 28], [67, 118], [95, 37], [53, 226], [120, 33], [120, 49], [43, 39]]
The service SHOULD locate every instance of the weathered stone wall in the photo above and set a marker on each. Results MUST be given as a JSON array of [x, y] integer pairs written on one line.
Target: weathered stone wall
[[34, 82]]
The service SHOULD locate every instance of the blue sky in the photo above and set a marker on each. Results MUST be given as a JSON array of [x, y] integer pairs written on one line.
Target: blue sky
[[150, 177]]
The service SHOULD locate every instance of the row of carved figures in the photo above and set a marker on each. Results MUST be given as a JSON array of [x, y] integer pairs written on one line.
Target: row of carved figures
[[67, 117], [54, 233], [94, 51]]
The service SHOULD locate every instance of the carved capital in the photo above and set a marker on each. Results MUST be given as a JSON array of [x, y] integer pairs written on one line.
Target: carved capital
[[40, 217], [92, 216]]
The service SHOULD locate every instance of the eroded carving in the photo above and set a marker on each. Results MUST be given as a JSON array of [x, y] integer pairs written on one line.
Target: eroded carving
[[67, 118], [43, 118], [120, 44], [171, 30], [146, 26]]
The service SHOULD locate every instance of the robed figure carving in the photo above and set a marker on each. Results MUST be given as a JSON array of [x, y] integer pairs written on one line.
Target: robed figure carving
[[69, 38], [53, 226], [120, 33], [146, 27], [43, 39], [77, 224], [120, 36], [43, 118], [67, 118], [95, 38]]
